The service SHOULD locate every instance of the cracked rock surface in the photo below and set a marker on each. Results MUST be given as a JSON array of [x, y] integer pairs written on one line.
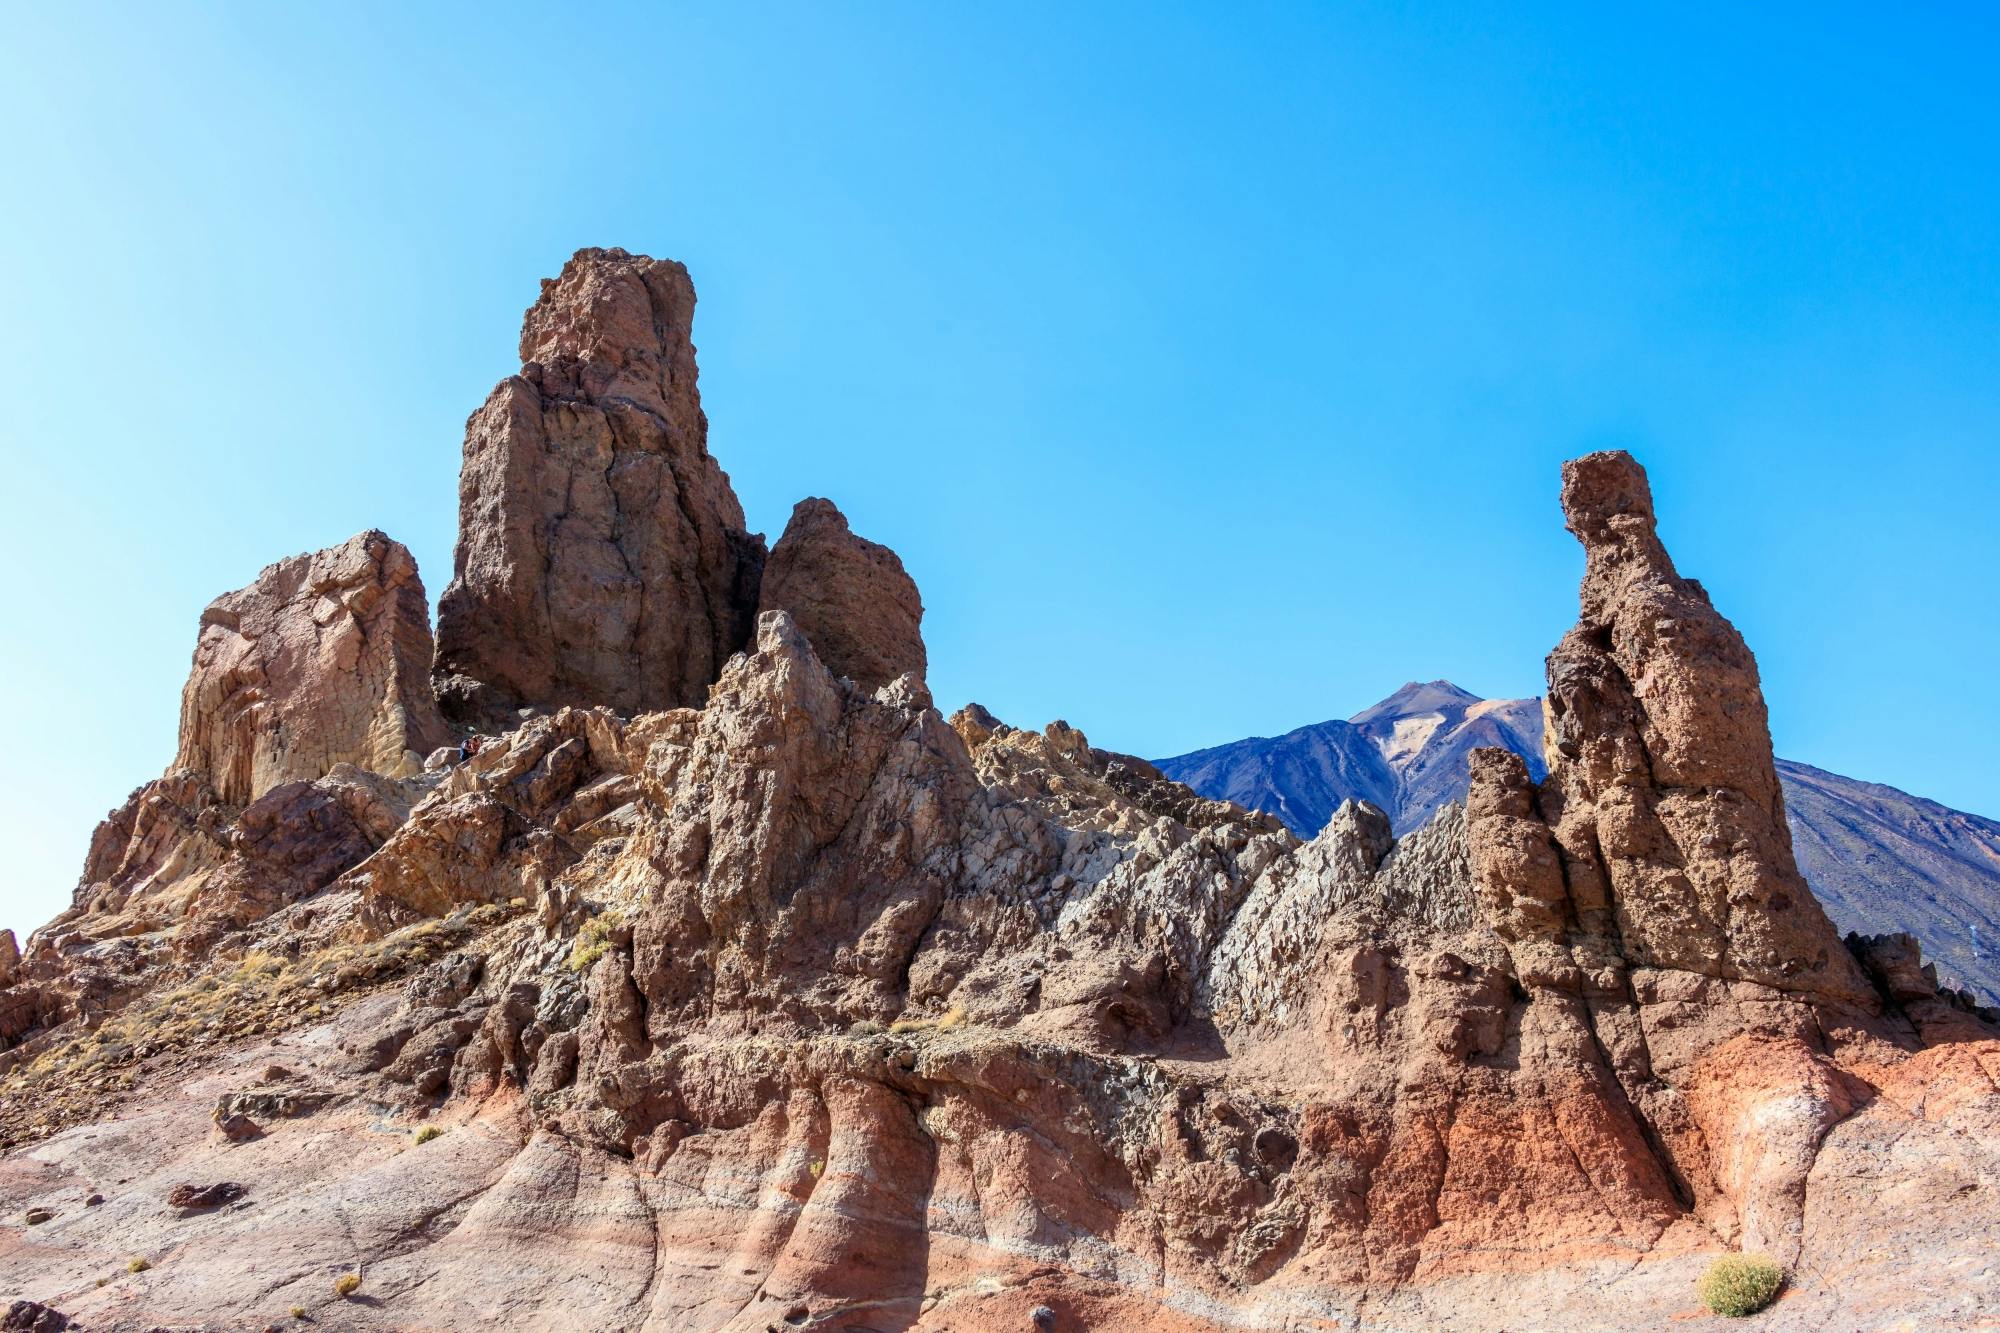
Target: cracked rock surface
[[787, 1001]]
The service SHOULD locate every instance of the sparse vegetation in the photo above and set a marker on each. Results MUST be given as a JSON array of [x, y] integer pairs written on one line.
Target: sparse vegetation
[[953, 1017], [429, 1132], [138, 1263], [347, 1284], [298, 1312], [260, 993], [1740, 1284], [594, 940]]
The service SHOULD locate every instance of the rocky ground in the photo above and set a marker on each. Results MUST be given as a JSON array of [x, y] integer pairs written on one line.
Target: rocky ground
[[731, 985]]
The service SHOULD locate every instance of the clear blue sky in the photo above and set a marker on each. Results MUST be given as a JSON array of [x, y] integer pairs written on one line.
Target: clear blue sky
[[1209, 366]]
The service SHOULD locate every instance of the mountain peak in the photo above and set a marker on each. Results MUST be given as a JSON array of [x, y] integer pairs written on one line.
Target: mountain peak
[[1417, 696]]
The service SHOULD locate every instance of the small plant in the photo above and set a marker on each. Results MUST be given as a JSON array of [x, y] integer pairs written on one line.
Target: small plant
[[1740, 1284], [953, 1017], [429, 1132], [139, 1263], [594, 940], [347, 1284], [298, 1312]]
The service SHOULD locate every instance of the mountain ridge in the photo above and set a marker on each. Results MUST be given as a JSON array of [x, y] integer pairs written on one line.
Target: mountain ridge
[[1881, 859]]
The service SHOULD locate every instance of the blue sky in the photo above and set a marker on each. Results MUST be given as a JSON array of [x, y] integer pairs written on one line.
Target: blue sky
[[1209, 366]]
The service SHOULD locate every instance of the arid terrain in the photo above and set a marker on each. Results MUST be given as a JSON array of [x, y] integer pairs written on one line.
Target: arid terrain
[[641, 948]]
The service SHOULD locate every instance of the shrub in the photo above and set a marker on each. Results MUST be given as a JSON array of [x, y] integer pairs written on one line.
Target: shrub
[[429, 1132], [138, 1264], [347, 1284], [298, 1312], [1740, 1284], [953, 1017], [594, 940]]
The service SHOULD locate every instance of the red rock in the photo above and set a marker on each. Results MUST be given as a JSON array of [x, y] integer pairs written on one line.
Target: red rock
[[602, 557], [321, 661], [194, 1197], [850, 596]]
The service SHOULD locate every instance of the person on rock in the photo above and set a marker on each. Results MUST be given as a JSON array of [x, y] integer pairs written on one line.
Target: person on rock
[[467, 748]]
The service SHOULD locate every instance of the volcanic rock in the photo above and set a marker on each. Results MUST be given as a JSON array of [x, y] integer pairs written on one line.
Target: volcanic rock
[[190, 1198], [321, 661], [602, 557], [33, 1317], [852, 597], [237, 1127], [1663, 794], [806, 1008]]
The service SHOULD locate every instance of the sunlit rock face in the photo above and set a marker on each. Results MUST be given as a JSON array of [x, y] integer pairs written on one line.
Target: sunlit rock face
[[787, 1002], [602, 557]]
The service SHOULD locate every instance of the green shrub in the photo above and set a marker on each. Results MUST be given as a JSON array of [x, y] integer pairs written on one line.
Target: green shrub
[[138, 1264], [594, 940], [1740, 1284], [429, 1132]]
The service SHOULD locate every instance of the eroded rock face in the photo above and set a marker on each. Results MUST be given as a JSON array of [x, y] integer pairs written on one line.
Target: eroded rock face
[[851, 596], [809, 1008], [602, 557], [322, 661], [1664, 796], [1648, 884]]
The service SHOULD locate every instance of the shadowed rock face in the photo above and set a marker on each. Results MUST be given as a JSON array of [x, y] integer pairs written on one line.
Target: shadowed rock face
[[321, 661], [808, 1008], [850, 596], [601, 557]]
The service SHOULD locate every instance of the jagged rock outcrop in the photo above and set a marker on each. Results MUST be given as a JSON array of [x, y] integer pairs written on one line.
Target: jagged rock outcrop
[[602, 556], [1664, 794], [851, 597], [322, 661], [1878, 860], [808, 1008], [1648, 882]]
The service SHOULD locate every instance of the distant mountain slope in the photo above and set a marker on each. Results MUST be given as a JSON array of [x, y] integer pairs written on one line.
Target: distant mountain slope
[[1879, 859]]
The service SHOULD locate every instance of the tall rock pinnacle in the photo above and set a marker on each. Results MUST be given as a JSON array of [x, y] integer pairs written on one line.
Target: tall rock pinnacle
[[1662, 797], [319, 662], [602, 556]]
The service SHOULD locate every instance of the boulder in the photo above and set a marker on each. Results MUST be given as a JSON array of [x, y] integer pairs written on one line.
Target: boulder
[[851, 596], [320, 661], [194, 1198]]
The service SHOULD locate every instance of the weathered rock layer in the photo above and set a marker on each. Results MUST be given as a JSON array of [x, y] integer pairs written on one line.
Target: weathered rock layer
[[806, 1007]]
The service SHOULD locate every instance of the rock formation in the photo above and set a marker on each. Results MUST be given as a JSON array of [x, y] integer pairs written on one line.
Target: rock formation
[[852, 598], [808, 1008], [1664, 797], [322, 661], [602, 557], [1879, 860]]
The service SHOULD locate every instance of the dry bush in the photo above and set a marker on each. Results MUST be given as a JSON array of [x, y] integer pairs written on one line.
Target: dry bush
[[1740, 1284]]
